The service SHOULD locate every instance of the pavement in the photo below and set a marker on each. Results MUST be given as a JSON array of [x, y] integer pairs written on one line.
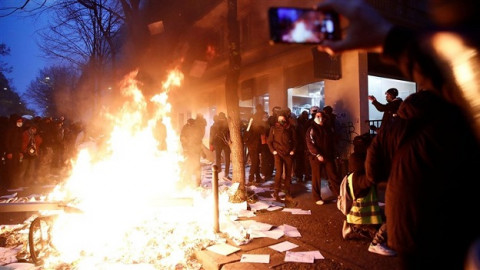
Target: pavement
[[319, 228], [320, 231]]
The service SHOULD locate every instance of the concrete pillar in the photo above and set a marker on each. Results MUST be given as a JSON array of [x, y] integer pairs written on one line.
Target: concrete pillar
[[348, 96]]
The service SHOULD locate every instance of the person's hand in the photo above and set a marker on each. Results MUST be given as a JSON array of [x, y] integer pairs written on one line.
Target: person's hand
[[9, 156], [320, 158], [274, 152], [371, 98], [366, 28], [292, 153]]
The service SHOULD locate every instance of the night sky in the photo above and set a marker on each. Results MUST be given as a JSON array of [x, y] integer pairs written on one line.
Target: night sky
[[18, 33]]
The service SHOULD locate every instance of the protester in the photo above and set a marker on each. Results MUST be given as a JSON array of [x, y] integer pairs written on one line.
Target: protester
[[320, 145], [390, 108], [13, 146], [282, 143], [266, 157], [365, 218], [301, 171], [31, 142], [160, 134], [220, 142], [191, 140], [430, 155], [254, 137]]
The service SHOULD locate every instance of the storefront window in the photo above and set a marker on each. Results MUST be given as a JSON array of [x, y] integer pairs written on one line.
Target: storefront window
[[304, 97], [377, 86]]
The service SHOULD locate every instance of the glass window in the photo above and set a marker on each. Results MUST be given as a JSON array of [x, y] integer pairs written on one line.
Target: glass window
[[303, 97], [377, 86]]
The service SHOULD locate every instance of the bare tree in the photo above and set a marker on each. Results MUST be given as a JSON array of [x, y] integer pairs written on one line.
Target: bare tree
[[231, 92], [52, 91]]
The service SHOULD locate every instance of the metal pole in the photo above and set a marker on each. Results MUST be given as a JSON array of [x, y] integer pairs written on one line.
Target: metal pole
[[216, 226]]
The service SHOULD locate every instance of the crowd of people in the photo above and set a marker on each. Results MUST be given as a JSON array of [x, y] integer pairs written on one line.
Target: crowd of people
[[35, 149], [280, 146]]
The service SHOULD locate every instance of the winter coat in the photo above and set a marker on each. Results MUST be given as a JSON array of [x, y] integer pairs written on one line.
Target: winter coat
[[320, 141], [432, 167], [282, 138]]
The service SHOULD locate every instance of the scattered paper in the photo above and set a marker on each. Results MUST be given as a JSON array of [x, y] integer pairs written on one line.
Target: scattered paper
[[273, 208], [303, 257], [283, 246], [255, 258], [253, 225], [246, 213], [274, 234], [290, 231], [223, 249], [296, 211], [302, 212], [259, 205]]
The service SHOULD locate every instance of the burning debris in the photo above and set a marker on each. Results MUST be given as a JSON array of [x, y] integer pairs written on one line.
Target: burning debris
[[133, 206]]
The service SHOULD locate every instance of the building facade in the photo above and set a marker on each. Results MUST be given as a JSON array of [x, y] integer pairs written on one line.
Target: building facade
[[287, 75]]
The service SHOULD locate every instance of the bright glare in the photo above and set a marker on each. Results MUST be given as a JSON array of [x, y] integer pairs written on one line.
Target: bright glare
[[135, 209]]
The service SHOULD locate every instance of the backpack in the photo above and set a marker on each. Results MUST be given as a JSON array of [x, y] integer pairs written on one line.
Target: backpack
[[344, 201]]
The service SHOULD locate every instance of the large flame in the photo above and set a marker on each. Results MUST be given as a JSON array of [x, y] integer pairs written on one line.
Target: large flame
[[122, 192]]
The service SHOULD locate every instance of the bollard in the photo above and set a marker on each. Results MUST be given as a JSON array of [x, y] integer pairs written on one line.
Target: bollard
[[216, 226]]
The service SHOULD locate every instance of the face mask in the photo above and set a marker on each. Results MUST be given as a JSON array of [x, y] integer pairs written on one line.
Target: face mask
[[19, 124], [318, 120]]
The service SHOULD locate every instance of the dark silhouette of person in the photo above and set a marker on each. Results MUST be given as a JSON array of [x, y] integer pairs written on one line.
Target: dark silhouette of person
[[220, 142], [390, 108], [320, 144]]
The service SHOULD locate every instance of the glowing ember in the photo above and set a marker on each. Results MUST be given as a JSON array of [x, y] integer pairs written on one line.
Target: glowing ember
[[122, 190]]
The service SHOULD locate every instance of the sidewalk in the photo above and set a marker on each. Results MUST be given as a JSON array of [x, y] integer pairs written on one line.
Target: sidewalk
[[321, 230]]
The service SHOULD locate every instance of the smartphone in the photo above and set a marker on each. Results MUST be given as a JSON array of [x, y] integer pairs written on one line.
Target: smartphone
[[302, 25]]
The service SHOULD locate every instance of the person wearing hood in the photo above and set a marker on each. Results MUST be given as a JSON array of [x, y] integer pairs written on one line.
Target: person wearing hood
[[320, 145], [282, 141]]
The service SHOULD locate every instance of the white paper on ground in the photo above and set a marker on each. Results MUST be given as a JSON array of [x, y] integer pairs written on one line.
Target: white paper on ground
[[290, 231], [246, 213], [255, 225], [223, 249], [259, 205], [303, 257], [283, 246], [301, 212], [255, 258], [273, 208]]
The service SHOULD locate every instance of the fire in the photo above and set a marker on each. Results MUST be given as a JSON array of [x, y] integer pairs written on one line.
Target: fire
[[133, 211]]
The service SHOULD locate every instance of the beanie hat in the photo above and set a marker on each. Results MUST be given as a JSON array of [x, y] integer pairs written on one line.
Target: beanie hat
[[393, 92]]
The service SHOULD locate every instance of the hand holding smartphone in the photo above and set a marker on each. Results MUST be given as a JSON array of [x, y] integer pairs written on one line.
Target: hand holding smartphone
[[302, 25]]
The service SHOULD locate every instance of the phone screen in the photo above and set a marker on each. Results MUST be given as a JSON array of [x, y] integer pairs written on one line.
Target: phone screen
[[301, 25]]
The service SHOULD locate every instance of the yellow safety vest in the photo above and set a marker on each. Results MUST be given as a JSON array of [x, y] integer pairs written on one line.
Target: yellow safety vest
[[365, 210]]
